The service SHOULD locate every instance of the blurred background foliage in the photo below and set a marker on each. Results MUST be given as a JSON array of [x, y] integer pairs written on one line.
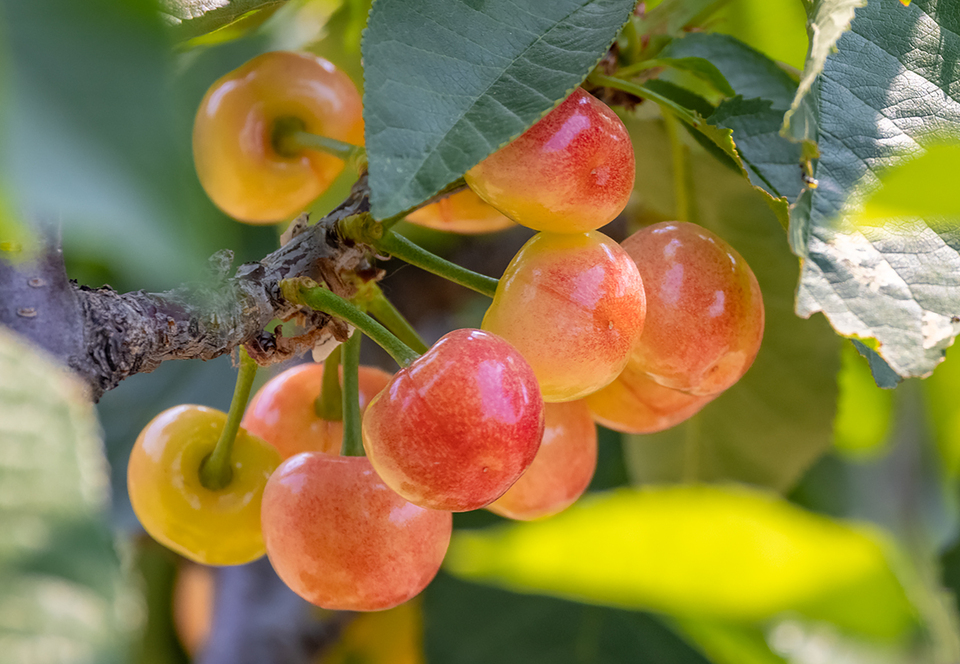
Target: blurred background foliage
[[842, 550]]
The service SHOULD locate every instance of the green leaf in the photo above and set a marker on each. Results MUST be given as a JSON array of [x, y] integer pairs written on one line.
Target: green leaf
[[943, 416], [885, 377], [921, 187], [730, 644], [193, 18], [750, 73], [448, 82], [880, 100], [473, 624], [672, 16], [827, 20], [62, 595], [790, 392], [777, 28], [698, 67], [699, 552]]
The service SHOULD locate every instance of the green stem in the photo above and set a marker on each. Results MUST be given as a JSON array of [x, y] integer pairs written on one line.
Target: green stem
[[352, 438], [290, 138], [329, 403], [305, 291], [405, 250], [681, 191], [641, 90], [383, 310], [215, 471]]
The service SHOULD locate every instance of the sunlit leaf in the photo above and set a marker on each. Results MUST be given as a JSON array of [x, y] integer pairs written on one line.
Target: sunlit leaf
[[920, 187], [943, 413], [726, 553], [447, 82], [864, 411], [192, 18]]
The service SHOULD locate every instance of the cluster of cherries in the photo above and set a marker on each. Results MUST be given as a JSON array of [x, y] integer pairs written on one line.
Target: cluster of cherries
[[637, 336]]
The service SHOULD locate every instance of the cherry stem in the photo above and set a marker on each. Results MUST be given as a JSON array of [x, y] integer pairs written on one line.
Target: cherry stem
[[681, 191], [402, 248], [329, 403], [640, 90], [215, 470], [352, 434], [290, 138], [307, 292], [383, 310]]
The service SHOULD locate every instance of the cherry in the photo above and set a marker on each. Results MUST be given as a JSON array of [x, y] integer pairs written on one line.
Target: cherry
[[635, 403], [341, 539], [457, 427], [562, 469], [574, 306], [234, 134], [571, 172], [282, 412], [163, 479], [704, 307], [462, 212]]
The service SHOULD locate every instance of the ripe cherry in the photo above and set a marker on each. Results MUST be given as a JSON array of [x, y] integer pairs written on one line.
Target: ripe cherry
[[573, 305], [462, 212], [234, 134], [163, 479], [283, 411], [562, 469], [635, 403], [571, 172], [341, 539], [457, 427], [704, 308]]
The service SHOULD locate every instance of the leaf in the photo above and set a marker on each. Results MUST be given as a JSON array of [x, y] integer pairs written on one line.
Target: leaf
[[193, 18], [672, 16], [881, 99], [730, 644], [62, 596], [750, 73], [827, 20], [942, 414], [790, 392], [472, 624], [771, 161], [699, 552], [885, 377], [699, 67], [448, 82], [921, 187]]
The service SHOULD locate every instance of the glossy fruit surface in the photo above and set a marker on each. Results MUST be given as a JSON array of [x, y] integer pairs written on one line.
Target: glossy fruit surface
[[562, 469], [635, 403], [233, 134], [282, 412], [457, 427], [704, 308], [462, 212], [341, 539], [574, 306], [571, 172], [163, 480]]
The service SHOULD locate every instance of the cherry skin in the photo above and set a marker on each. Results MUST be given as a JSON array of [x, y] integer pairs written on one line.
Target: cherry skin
[[233, 134], [282, 412], [635, 403], [574, 306], [341, 539], [704, 308], [571, 172], [562, 469], [463, 212], [163, 480], [457, 427]]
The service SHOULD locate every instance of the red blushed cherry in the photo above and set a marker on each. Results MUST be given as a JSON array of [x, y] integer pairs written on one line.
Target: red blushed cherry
[[234, 134], [573, 305], [458, 426], [704, 308], [341, 539], [282, 412], [463, 212], [571, 172], [562, 469], [635, 403]]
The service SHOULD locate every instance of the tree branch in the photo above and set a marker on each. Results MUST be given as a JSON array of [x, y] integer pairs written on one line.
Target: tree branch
[[106, 336]]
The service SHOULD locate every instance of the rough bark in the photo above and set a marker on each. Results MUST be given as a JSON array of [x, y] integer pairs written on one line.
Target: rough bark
[[106, 336]]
